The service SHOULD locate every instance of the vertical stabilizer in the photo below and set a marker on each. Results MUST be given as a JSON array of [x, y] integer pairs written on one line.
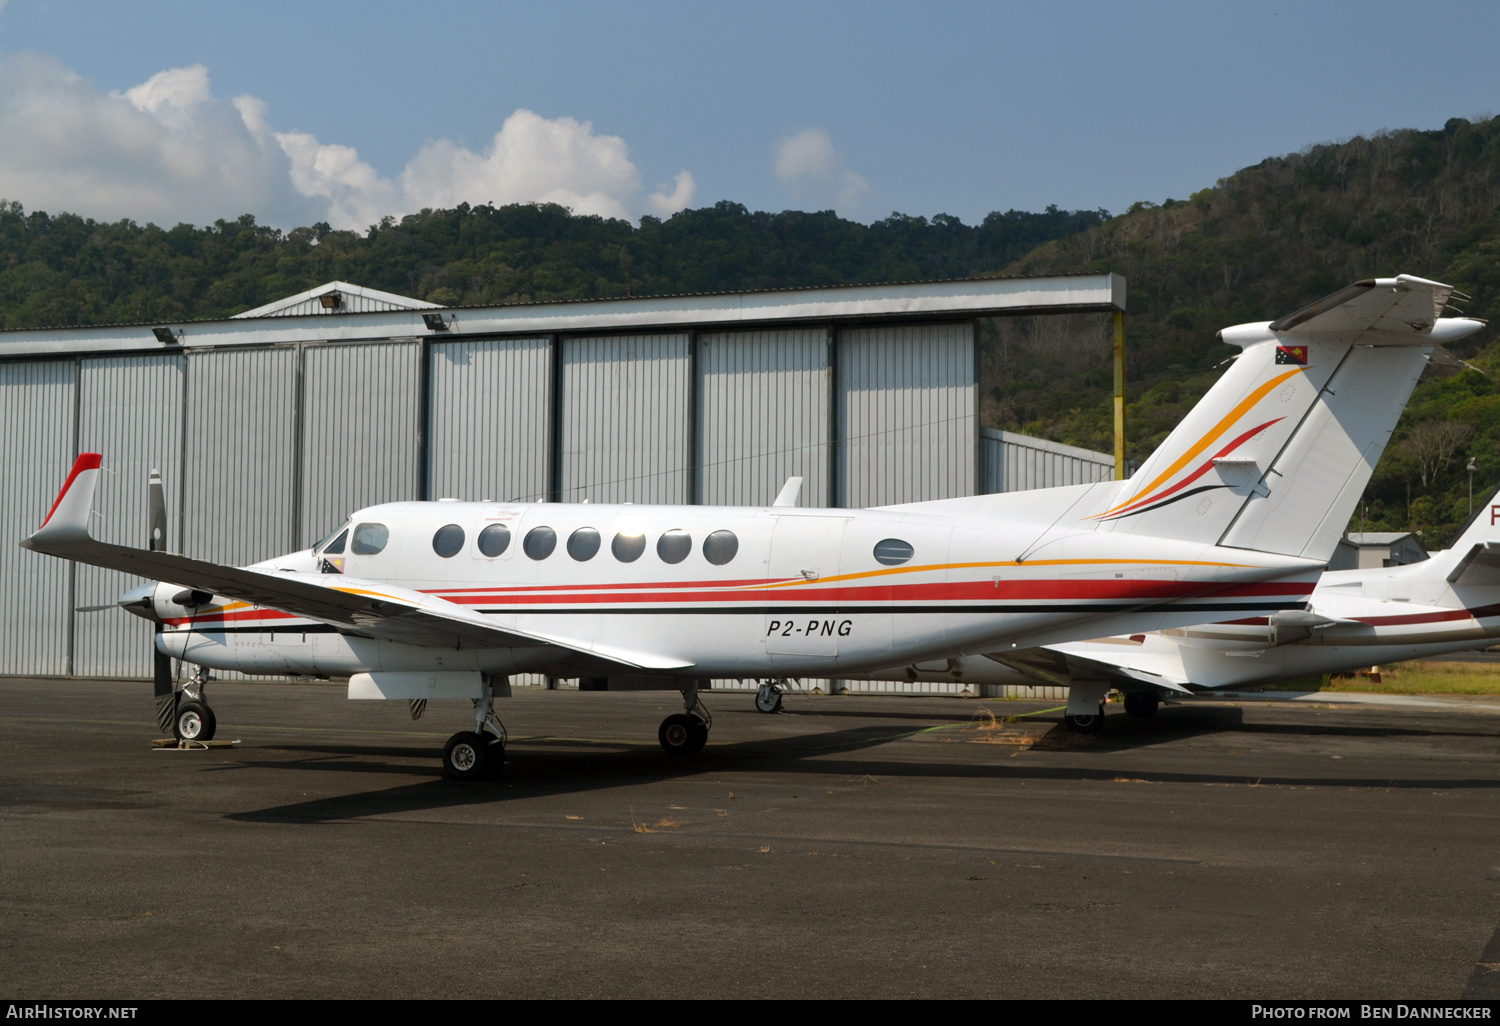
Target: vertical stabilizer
[[1276, 455]]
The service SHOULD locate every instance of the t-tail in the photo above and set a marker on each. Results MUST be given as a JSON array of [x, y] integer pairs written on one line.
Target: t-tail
[[1276, 455]]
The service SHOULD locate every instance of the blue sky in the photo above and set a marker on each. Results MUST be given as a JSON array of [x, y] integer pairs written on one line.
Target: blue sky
[[304, 111]]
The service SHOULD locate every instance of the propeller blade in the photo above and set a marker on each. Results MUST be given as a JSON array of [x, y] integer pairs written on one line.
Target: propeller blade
[[95, 609], [158, 514]]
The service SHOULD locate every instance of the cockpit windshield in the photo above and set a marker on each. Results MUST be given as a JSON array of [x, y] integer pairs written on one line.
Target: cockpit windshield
[[333, 541]]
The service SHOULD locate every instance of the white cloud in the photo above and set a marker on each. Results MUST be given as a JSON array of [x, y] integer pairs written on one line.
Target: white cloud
[[168, 150], [165, 151], [814, 172]]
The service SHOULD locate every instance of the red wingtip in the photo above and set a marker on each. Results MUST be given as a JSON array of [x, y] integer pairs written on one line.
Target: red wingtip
[[85, 461]]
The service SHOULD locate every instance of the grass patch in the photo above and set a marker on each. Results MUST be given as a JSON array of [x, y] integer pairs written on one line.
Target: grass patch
[[1424, 677]]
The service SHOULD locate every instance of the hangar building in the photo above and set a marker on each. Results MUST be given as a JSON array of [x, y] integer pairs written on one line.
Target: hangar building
[[271, 426]]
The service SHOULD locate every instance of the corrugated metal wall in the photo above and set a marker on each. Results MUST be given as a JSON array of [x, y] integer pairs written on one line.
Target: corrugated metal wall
[[130, 410], [626, 419], [764, 397], [489, 418], [1009, 462], [36, 449], [908, 398], [360, 417], [240, 449]]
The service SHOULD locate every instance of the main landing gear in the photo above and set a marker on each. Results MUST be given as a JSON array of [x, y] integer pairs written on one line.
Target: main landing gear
[[1141, 704], [686, 733], [192, 719], [1085, 713], [471, 754]]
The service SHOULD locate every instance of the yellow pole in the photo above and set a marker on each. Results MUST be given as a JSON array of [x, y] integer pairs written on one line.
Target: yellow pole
[[1120, 395]]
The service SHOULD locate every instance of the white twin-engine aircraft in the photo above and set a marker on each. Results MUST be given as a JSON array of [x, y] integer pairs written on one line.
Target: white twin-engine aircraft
[[1234, 516]]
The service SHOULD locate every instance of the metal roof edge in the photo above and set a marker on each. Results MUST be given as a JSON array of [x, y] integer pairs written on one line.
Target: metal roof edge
[[959, 297]]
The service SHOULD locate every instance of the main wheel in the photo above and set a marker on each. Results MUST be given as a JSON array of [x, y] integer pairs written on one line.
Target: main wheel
[[194, 722], [1141, 704], [1088, 724], [682, 734], [768, 699], [464, 756]]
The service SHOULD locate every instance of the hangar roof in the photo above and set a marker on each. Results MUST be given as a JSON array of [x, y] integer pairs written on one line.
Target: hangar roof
[[344, 298], [303, 318]]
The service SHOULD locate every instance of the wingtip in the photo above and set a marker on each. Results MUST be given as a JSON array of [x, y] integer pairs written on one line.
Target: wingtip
[[70, 512]]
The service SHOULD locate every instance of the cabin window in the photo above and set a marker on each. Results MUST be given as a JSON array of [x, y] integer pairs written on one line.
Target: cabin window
[[628, 547], [674, 546], [539, 543], [494, 540], [449, 541], [336, 546], [583, 544], [892, 551], [720, 547], [370, 539]]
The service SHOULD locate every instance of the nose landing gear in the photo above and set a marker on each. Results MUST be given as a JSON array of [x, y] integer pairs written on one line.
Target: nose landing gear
[[193, 719]]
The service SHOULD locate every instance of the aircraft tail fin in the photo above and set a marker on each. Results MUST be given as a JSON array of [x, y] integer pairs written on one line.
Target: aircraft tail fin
[[1275, 456]]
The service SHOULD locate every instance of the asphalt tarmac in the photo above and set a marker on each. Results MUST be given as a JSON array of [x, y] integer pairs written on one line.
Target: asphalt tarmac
[[847, 847]]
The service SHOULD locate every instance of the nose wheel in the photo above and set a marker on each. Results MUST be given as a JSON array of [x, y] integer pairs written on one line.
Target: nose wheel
[[192, 719], [194, 722]]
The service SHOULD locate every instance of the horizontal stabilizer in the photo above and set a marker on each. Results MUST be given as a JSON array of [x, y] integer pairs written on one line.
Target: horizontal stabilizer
[[1479, 566]]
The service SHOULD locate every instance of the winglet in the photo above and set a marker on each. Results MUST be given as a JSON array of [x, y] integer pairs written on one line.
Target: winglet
[[68, 519]]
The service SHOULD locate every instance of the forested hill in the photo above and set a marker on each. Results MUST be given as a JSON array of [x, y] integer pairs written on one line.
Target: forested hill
[[1265, 242], [62, 269]]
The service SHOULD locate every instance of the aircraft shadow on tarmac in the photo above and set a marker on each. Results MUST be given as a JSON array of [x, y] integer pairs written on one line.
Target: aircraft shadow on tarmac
[[538, 767]]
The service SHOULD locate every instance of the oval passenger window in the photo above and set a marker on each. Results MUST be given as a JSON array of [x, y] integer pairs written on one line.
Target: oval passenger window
[[628, 547], [583, 544], [370, 539], [448, 541], [892, 551], [674, 546], [494, 540], [720, 547], [539, 543]]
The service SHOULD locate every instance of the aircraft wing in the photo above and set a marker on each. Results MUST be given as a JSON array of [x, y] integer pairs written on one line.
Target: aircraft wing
[[373, 609], [1059, 669]]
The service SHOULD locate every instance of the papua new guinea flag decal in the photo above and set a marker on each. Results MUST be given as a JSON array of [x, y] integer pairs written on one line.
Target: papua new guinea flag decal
[[1292, 354]]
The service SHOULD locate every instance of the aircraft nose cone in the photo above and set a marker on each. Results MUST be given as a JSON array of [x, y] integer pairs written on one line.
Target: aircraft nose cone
[[139, 602]]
